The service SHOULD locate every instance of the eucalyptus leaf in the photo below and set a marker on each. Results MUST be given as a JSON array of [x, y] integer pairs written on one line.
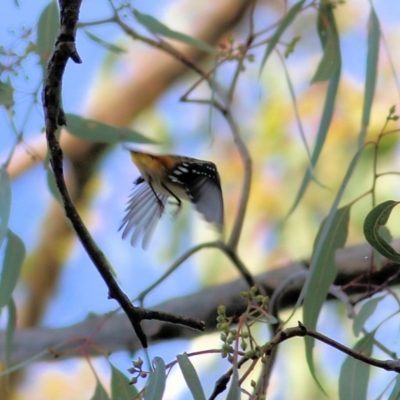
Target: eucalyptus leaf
[[121, 388], [12, 263], [156, 26], [95, 131], [156, 384], [5, 203], [354, 374], [376, 219], [191, 378], [47, 29]]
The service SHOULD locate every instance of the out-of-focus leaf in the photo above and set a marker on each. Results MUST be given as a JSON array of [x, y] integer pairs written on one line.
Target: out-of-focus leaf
[[375, 219], [5, 203], [156, 26], [325, 14], [365, 312], [6, 94], [10, 330], [14, 255], [287, 20], [191, 377], [156, 383], [100, 393], [95, 131], [395, 395], [370, 77], [47, 29], [322, 274], [354, 374], [103, 43], [234, 391], [331, 61], [121, 389]]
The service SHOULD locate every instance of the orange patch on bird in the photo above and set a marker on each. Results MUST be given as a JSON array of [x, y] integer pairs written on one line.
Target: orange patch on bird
[[148, 161]]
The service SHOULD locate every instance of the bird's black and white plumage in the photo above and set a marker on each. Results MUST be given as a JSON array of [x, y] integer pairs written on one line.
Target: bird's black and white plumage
[[164, 176]]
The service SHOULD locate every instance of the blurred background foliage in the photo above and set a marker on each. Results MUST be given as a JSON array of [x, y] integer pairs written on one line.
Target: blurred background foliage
[[264, 112]]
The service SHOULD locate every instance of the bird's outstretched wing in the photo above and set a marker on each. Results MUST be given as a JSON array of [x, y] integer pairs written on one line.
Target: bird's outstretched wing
[[206, 195], [142, 213]]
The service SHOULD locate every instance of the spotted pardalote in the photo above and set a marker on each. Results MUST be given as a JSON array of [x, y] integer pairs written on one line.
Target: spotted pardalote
[[170, 176]]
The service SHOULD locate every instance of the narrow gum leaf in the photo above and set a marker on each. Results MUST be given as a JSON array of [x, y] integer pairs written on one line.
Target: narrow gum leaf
[[95, 131], [156, 26], [287, 20], [354, 374], [376, 219], [47, 30]]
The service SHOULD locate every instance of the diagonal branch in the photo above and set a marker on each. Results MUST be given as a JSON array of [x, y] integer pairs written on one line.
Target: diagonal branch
[[54, 117]]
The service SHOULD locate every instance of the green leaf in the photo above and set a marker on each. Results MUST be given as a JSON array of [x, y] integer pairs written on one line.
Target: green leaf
[[354, 374], [370, 77], [14, 256], [100, 393], [191, 377], [95, 131], [6, 94], [5, 203], [156, 26], [47, 29], [156, 383], [289, 17], [103, 43], [367, 309], [395, 395], [326, 14], [330, 63], [377, 218], [323, 272], [121, 388], [378, 258], [234, 390], [10, 329]]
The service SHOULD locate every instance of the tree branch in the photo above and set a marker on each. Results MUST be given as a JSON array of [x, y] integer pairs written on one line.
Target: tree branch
[[54, 117], [112, 332]]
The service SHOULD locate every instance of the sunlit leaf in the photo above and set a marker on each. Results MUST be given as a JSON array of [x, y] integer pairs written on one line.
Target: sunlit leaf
[[100, 393], [191, 377], [325, 14], [14, 255], [372, 68], [156, 384], [234, 390], [322, 274], [156, 26], [95, 131], [287, 20], [103, 43], [10, 329], [121, 389], [367, 309], [47, 29], [5, 203], [375, 219], [354, 374]]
